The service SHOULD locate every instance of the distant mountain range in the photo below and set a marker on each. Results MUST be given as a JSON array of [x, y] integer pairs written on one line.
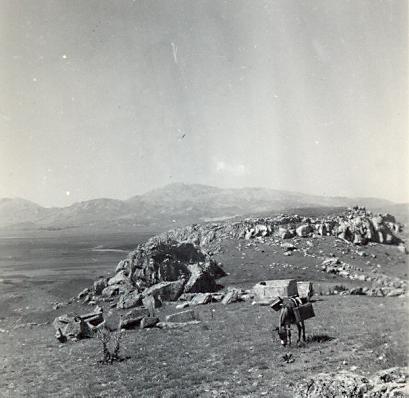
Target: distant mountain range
[[173, 204]]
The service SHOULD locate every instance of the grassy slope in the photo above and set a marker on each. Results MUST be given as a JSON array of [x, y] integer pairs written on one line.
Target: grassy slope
[[235, 351]]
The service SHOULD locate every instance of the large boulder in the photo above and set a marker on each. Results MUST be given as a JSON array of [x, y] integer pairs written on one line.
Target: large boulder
[[119, 278], [130, 299], [304, 230], [200, 280], [166, 291], [285, 233]]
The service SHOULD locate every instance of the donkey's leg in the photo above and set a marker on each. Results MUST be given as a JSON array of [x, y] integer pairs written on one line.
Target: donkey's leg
[[299, 332], [289, 334], [303, 330]]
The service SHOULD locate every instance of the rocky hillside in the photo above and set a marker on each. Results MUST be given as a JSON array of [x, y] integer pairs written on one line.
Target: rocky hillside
[[181, 261], [174, 204]]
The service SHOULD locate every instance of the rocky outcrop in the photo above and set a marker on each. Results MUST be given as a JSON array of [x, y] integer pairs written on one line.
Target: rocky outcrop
[[387, 383], [324, 385], [161, 268], [181, 260], [355, 225]]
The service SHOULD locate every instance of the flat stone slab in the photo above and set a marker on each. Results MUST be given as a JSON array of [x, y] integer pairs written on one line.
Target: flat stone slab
[[184, 316], [149, 322], [174, 325]]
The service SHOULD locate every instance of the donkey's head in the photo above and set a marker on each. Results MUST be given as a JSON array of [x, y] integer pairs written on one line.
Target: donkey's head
[[282, 334]]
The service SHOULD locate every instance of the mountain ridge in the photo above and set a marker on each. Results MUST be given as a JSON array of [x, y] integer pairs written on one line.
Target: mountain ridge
[[173, 203]]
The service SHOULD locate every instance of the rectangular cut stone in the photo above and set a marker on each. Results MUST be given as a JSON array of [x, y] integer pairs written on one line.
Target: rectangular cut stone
[[184, 316], [275, 288], [305, 289]]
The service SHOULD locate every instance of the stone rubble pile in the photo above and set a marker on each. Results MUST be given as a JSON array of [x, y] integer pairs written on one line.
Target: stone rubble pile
[[355, 225], [386, 383], [382, 285]]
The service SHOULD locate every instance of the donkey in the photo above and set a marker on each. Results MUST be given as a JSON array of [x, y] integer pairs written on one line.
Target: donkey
[[287, 318]]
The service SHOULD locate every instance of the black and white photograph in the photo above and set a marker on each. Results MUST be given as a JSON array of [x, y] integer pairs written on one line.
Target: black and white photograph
[[204, 198]]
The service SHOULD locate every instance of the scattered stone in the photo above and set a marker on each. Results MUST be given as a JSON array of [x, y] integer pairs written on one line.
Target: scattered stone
[[395, 292], [201, 298], [217, 297], [357, 291], [184, 316], [133, 318], [149, 322], [288, 247], [331, 261], [231, 296], [174, 325]]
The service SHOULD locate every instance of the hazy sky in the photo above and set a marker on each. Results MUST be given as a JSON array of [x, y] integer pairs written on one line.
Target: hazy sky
[[113, 98]]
